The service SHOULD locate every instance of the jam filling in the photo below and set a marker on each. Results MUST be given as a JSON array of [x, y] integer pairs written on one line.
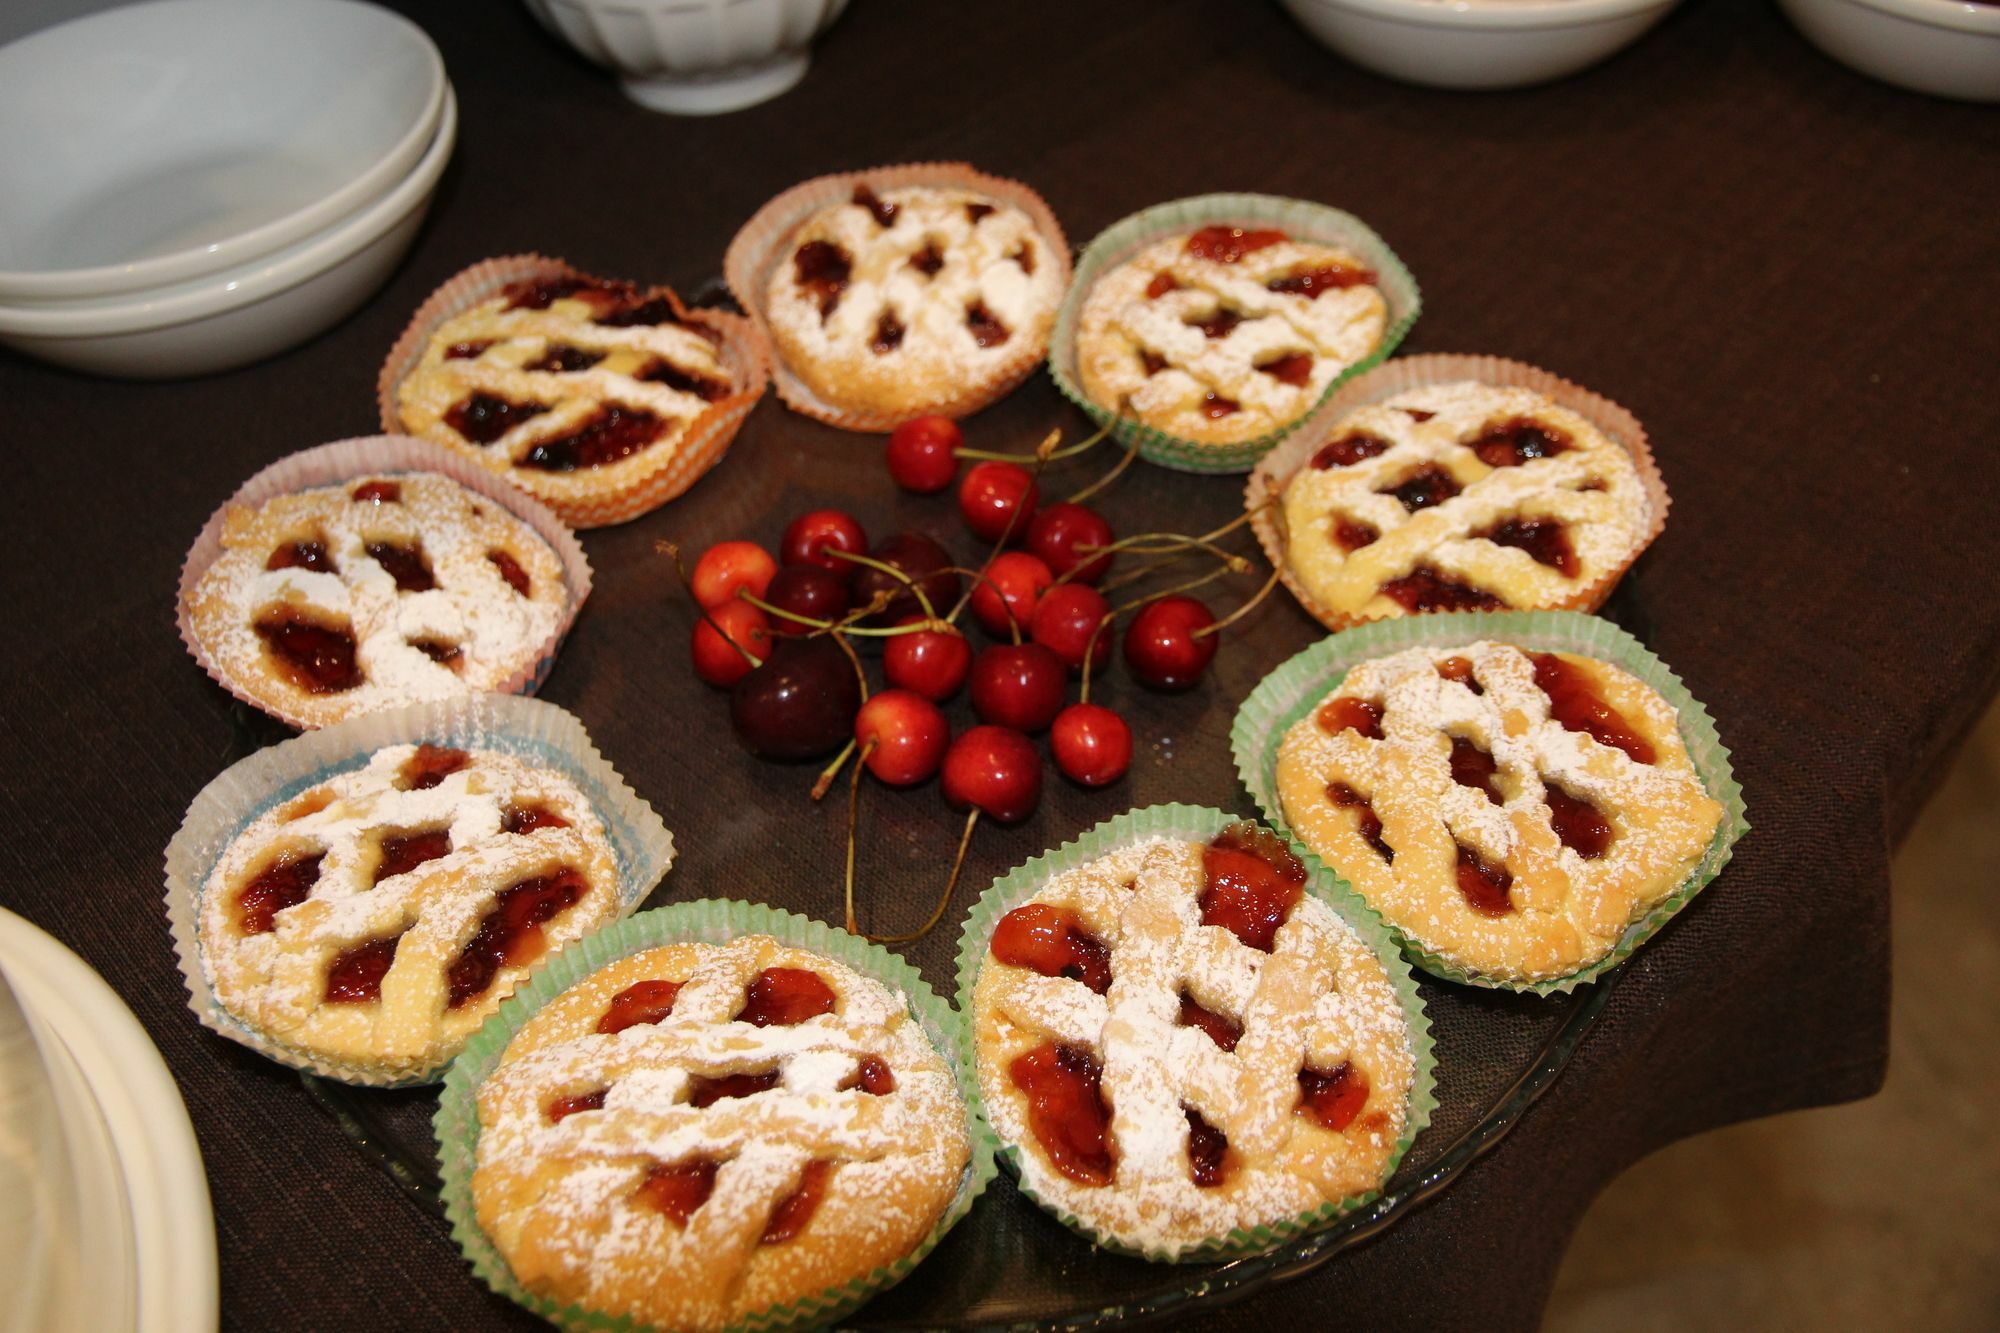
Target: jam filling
[[928, 260], [1215, 407], [466, 351], [1416, 414], [1220, 1030], [1348, 450], [484, 417], [1152, 361], [286, 882], [1579, 825], [1575, 703], [1460, 670], [1066, 1110], [1162, 283], [441, 651], [377, 492], [511, 932], [1226, 245], [1251, 882], [355, 975], [405, 564], [822, 269], [510, 570], [1352, 535], [1294, 370], [987, 330], [872, 1076], [613, 433], [784, 996], [316, 659], [1368, 823], [974, 212], [1545, 539], [1052, 941], [1338, 715], [302, 555], [1312, 282], [1424, 589], [527, 818], [1473, 767], [708, 389], [403, 852], [1025, 257], [640, 1002], [888, 333], [1218, 324], [1512, 443], [564, 359], [654, 310], [708, 1091], [1208, 1151], [1484, 884], [1332, 1097], [1427, 486], [789, 1218], [430, 765], [541, 293], [676, 1191], [883, 213], [564, 1107]]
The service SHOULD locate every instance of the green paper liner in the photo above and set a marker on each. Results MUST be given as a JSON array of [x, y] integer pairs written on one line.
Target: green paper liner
[[1295, 688], [713, 921], [1297, 218], [1198, 823]]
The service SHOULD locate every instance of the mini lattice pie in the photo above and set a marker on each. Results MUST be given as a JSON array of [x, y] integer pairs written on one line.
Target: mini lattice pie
[[1463, 496], [1513, 811], [373, 922], [1180, 1041], [341, 600], [1222, 335], [698, 1133], [909, 300]]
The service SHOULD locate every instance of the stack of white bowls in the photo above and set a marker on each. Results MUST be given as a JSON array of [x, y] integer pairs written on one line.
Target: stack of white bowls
[[191, 185]]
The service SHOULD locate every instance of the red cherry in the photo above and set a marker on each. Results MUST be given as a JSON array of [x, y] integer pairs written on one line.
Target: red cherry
[[997, 770], [921, 454], [1014, 582], [1058, 532], [1064, 621], [714, 660], [920, 559], [809, 536], [908, 733], [1092, 744], [727, 566], [800, 704], [932, 663], [1161, 647], [806, 590], [1018, 685], [989, 496]]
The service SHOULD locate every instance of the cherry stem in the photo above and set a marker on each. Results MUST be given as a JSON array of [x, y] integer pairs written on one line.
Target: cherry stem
[[1131, 452], [1044, 451], [837, 628], [673, 554], [830, 772], [930, 612], [1042, 454], [1174, 591], [1232, 562], [979, 576], [853, 819], [1216, 627], [951, 885]]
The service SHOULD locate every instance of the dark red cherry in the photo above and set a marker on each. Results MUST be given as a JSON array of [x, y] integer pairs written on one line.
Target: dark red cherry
[[810, 536], [727, 566], [1062, 536], [714, 660], [902, 736], [995, 769], [1065, 622], [1009, 592], [800, 704], [921, 454], [1092, 745], [1161, 646], [809, 591], [933, 663], [990, 496], [920, 559], [1018, 685]]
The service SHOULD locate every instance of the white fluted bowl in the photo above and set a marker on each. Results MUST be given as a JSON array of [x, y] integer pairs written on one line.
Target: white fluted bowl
[[1477, 44], [1942, 47]]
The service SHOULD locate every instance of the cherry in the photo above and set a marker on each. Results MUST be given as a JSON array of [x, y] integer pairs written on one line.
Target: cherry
[[995, 769], [809, 536], [806, 590], [1161, 647], [1092, 745], [922, 456], [727, 566], [1014, 583], [991, 494], [920, 559], [800, 703], [1018, 685], [714, 660], [1056, 534], [1065, 622], [902, 736], [933, 663]]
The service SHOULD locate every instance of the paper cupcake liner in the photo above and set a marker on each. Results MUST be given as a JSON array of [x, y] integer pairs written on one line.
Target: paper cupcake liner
[[1295, 217], [1292, 691], [1262, 497], [538, 732], [714, 921], [742, 350], [382, 455], [760, 247], [1197, 823]]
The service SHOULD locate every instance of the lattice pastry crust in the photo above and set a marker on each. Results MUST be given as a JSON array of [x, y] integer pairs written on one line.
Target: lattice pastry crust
[[297, 916], [1585, 836], [576, 1123], [1319, 999], [1462, 496], [895, 316], [1218, 350], [341, 600]]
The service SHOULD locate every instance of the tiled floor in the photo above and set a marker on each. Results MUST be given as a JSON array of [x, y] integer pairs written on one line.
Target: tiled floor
[[1880, 1215]]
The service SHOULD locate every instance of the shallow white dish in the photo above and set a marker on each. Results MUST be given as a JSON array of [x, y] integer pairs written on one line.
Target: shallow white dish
[[1477, 44], [1942, 47], [154, 143], [246, 313], [142, 1211]]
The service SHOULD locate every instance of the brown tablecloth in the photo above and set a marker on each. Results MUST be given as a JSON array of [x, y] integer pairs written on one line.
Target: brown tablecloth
[[1787, 271]]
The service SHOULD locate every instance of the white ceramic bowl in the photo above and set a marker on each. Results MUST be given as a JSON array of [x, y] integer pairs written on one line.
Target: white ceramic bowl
[[694, 57], [155, 143], [246, 313], [1943, 47], [1477, 43]]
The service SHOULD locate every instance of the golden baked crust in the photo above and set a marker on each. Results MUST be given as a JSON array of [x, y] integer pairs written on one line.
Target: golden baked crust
[[328, 560], [1218, 350], [954, 291], [563, 1199], [1645, 824], [298, 890], [1319, 999]]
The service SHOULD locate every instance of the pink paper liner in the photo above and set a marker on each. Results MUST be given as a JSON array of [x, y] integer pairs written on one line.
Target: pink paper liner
[[742, 350], [1262, 496], [345, 460], [760, 246]]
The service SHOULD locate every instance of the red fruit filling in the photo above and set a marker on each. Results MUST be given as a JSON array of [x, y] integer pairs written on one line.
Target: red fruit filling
[[528, 818], [974, 212], [466, 351], [405, 564], [484, 417], [783, 996], [510, 570], [1215, 407], [1153, 362], [665, 372], [511, 932], [286, 882], [676, 1191], [1460, 670], [564, 1107], [1369, 824], [1424, 589], [1226, 245], [376, 492], [928, 260], [1052, 941], [1332, 1097], [1473, 767], [1575, 702], [1216, 324], [438, 650], [1338, 715], [430, 765], [657, 310], [822, 269], [1545, 539], [1294, 370], [302, 555], [1484, 884], [1251, 882], [640, 1002], [541, 293], [613, 433], [355, 975], [883, 213], [1162, 283], [1208, 1151], [1579, 825], [1066, 1110], [1312, 282], [789, 1218], [1352, 536], [1427, 486], [708, 1091], [1512, 443], [1220, 1030], [1348, 450], [872, 1076], [987, 330], [888, 333], [316, 659], [402, 852], [1025, 257], [564, 359]]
